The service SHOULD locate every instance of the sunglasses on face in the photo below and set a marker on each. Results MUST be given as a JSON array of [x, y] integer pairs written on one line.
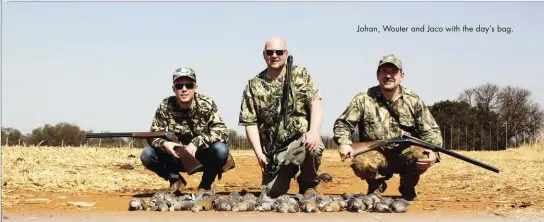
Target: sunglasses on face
[[188, 85], [270, 52]]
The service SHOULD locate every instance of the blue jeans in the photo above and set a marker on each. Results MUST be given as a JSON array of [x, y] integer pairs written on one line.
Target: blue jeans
[[167, 166]]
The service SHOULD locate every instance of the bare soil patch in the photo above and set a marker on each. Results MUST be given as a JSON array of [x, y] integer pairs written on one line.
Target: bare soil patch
[[72, 179]]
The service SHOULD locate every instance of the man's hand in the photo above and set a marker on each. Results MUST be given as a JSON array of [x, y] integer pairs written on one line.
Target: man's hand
[[345, 151], [261, 158], [311, 139], [423, 164], [169, 147]]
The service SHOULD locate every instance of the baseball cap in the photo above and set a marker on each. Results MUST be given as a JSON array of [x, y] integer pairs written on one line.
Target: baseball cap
[[391, 58], [184, 72]]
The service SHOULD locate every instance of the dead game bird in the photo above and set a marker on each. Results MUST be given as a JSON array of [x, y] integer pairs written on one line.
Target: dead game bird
[[355, 205], [222, 204], [343, 204], [266, 206], [324, 177], [400, 206], [309, 206], [160, 205], [321, 201], [158, 195], [299, 197], [368, 201], [375, 198], [206, 204], [186, 197], [348, 196], [249, 196], [333, 206], [170, 199], [248, 205], [382, 207], [285, 207], [182, 205], [136, 204]]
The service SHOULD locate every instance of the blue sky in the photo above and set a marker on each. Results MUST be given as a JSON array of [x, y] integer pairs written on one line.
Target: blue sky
[[106, 65]]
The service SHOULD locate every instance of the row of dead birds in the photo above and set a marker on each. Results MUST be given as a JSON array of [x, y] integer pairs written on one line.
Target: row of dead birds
[[287, 203]]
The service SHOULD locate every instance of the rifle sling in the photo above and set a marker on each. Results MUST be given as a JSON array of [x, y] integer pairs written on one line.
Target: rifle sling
[[412, 130]]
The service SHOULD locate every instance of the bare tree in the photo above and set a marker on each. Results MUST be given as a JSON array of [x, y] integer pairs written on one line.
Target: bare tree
[[486, 98], [516, 109], [467, 96]]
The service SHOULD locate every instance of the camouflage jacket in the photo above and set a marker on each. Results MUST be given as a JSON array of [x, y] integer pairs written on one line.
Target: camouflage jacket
[[202, 125], [261, 104], [369, 109]]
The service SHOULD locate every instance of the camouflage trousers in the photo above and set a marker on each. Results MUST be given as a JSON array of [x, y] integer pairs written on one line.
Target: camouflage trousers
[[378, 166], [280, 183]]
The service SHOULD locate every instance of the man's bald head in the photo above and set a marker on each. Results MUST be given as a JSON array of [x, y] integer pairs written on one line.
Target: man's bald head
[[275, 43], [275, 54]]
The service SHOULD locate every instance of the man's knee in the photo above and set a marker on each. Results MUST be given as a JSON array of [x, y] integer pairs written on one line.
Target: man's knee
[[367, 165], [411, 155], [148, 156], [318, 152], [219, 151], [414, 153]]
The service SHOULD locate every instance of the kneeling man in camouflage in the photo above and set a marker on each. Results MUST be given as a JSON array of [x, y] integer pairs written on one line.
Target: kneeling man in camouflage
[[383, 112], [194, 118]]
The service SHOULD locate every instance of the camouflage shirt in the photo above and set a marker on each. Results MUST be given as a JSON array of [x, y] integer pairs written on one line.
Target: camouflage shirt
[[202, 125], [368, 107], [261, 101]]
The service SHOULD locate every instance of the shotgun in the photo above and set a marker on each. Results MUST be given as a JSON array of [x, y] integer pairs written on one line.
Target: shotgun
[[190, 163], [287, 90], [272, 168], [363, 147]]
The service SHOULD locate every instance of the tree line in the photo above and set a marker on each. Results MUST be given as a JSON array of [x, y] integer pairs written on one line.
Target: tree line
[[486, 117]]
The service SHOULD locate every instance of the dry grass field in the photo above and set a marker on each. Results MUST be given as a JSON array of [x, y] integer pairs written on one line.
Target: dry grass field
[[57, 178]]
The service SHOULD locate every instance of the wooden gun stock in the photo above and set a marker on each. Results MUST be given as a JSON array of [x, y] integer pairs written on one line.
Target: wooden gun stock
[[363, 147], [189, 162], [228, 165]]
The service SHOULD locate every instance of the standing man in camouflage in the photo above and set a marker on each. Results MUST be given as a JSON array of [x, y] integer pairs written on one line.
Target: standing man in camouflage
[[281, 149], [382, 112], [195, 120]]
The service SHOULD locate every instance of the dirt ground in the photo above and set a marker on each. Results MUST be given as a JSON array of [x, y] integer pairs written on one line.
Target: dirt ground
[[46, 182]]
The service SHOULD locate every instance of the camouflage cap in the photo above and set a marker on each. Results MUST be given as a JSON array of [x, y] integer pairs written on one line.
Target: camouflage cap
[[395, 60], [184, 72]]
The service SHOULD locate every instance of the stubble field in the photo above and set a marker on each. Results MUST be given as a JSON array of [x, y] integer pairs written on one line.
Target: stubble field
[[74, 179]]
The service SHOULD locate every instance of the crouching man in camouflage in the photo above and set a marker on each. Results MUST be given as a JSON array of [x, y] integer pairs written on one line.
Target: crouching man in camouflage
[[282, 148], [195, 120], [382, 112]]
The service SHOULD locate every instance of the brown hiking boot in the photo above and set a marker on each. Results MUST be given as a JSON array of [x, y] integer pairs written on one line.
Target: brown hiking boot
[[177, 184]]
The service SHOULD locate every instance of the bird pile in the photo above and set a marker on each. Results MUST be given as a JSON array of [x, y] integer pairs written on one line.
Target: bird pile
[[287, 203]]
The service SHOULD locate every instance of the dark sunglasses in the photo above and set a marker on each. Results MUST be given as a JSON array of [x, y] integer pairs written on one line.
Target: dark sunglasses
[[270, 52], [188, 85]]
